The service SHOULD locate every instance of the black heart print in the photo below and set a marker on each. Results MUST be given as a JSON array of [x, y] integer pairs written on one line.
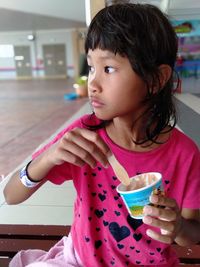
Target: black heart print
[[137, 237], [134, 223], [119, 233], [99, 213], [101, 197], [105, 223], [98, 243]]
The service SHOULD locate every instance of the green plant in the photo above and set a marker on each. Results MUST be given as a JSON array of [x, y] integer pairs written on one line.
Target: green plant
[[82, 80], [81, 86]]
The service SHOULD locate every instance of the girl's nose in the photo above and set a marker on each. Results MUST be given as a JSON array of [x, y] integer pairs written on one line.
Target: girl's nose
[[93, 86]]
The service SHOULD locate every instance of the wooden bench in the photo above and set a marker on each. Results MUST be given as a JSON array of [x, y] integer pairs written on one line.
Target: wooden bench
[[17, 237]]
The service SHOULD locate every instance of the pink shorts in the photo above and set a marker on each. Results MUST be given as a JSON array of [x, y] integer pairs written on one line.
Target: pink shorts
[[61, 255]]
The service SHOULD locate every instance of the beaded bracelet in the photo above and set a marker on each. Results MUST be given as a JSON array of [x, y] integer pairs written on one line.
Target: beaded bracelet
[[25, 179]]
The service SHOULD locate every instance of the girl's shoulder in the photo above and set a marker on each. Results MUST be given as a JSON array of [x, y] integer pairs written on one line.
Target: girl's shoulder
[[82, 122], [181, 139]]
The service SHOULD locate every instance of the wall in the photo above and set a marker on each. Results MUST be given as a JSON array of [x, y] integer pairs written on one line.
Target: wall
[[7, 65]]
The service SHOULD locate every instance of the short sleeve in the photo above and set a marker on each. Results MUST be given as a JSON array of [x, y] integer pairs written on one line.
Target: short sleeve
[[192, 189]]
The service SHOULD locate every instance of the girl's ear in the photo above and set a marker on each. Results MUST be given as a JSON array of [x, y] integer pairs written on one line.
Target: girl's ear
[[165, 74]]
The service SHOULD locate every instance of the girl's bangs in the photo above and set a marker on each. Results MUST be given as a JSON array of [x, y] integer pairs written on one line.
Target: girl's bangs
[[100, 39]]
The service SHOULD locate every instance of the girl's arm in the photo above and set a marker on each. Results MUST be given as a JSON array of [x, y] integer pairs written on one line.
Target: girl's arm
[[16, 192], [78, 147], [183, 227]]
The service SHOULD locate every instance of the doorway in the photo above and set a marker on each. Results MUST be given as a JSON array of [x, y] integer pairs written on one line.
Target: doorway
[[54, 60], [23, 61]]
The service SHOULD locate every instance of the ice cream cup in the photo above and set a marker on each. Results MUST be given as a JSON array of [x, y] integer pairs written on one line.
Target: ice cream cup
[[136, 195]]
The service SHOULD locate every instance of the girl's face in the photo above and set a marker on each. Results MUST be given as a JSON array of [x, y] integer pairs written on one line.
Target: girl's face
[[115, 90]]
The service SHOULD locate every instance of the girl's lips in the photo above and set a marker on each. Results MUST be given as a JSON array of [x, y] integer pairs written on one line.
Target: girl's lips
[[96, 104]]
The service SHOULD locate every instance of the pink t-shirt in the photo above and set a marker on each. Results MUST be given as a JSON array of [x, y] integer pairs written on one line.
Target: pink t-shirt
[[102, 231]]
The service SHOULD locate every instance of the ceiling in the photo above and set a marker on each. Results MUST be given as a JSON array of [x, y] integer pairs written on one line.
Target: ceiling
[[23, 15], [178, 8]]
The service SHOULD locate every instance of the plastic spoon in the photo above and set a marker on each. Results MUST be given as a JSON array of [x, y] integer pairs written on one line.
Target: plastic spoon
[[119, 170]]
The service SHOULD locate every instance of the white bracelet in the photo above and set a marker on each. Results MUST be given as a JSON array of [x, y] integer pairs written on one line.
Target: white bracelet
[[25, 179]]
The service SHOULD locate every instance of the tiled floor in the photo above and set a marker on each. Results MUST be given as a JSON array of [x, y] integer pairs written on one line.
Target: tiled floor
[[50, 205], [31, 115], [30, 112]]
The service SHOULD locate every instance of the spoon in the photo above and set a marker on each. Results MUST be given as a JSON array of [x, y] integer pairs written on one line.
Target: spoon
[[119, 170]]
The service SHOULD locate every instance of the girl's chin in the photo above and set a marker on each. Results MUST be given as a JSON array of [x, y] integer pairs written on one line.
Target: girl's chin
[[102, 117]]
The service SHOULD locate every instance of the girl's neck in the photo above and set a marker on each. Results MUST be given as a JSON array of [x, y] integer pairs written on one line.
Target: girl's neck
[[124, 134]]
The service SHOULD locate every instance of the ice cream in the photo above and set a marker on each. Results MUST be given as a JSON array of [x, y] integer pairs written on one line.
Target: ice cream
[[142, 180], [137, 194]]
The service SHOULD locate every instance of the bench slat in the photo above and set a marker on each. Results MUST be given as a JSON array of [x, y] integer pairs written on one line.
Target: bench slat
[[34, 230], [4, 262], [11, 246], [188, 252], [18, 237]]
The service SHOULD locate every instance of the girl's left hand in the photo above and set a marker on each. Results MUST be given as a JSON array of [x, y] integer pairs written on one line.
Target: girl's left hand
[[167, 218]]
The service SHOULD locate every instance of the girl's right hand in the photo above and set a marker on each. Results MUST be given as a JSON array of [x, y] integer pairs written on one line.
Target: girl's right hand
[[79, 146]]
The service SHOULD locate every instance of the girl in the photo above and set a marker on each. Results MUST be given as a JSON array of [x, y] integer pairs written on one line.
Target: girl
[[131, 51]]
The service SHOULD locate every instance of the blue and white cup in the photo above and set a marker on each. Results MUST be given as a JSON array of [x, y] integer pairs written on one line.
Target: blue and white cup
[[136, 199]]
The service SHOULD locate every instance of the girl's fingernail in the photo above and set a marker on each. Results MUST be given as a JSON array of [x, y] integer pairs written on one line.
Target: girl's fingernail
[[147, 220], [149, 233]]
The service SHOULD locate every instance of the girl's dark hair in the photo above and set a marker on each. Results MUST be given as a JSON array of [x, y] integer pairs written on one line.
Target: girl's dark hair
[[144, 35]]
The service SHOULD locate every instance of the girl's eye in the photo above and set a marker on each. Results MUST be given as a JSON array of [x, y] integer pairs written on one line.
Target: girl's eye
[[109, 69], [91, 69]]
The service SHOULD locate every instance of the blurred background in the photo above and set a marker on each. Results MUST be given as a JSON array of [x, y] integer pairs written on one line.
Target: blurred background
[[42, 56], [42, 39]]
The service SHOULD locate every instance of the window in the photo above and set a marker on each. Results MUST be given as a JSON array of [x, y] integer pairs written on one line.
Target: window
[[6, 51]]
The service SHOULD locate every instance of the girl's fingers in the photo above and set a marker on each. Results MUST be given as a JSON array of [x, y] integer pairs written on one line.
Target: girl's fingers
[[163, 213], [163, 201], [71, 158], [166, 218], [80, 146], [159, 237], [95, 139], [165, 225], [92, 148], [75, 154]]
